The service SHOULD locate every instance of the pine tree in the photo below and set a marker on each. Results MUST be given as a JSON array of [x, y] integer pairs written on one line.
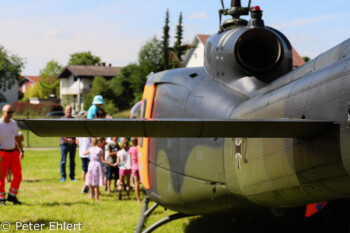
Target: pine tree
[[165, 42], [178, 50]]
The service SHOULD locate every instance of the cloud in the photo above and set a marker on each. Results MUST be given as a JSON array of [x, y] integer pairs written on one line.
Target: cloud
[[303, 21], [52, 32], [198, 15]]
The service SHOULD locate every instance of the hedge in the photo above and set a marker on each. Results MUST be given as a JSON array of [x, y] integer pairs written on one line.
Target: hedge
[[36, 109]]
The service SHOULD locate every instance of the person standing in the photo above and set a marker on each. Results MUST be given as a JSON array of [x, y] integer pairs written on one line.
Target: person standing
[[133, 151], [84, 144], [95, 170], [10, 155], [68, 145], [112, 172], [96, 105], [124, 163]]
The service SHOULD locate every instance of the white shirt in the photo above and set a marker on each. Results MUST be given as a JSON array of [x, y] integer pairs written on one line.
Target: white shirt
[[124, 160], [8, 131], [84, 145]]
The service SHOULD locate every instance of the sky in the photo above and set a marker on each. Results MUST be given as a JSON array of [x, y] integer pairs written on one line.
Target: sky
[[115, 30]]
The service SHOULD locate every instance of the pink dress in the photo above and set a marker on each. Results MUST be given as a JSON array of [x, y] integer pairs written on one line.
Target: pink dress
[[95, 170], [134, 166]]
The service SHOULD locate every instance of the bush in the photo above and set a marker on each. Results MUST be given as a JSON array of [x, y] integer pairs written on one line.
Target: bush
[[23, 108]]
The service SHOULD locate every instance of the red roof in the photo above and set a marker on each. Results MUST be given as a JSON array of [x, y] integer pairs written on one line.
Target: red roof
[[32, 79], [297, 60], [203, 38], [27, 81]]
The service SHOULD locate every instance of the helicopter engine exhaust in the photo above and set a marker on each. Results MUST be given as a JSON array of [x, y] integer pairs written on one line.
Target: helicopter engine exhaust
[[258, 50], [248, 50]]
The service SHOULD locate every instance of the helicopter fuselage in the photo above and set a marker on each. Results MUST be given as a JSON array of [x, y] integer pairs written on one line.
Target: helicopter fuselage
[[207, 175]]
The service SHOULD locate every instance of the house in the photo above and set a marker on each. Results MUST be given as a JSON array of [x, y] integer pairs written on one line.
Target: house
[[26, 81], [195, 57], [77, 80], [297, 60], [11, 95]]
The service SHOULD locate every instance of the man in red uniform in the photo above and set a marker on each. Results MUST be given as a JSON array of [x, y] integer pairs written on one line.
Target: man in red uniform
[[10, 155]]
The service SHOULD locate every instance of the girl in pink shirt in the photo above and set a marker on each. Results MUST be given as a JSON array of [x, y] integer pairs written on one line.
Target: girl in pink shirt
[[134, 167]]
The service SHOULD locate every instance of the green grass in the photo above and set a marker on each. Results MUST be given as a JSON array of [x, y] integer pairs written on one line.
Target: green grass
[[122, 114], [32, 140], [45, 200]]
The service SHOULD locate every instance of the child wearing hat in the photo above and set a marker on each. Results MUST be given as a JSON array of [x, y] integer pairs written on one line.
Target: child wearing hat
[[96, 104]]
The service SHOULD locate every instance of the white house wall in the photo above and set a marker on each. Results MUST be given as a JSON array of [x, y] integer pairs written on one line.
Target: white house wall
[[197, 57], [86, 84], [63, 87], [70, 87]]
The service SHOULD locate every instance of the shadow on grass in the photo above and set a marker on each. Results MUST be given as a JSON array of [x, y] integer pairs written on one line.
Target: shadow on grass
[[226, 224], [40, 180], [67, 203], [58, 204], [206, 224]]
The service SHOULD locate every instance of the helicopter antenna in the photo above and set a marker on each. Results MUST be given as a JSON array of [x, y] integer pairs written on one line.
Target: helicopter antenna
[[249, 4]]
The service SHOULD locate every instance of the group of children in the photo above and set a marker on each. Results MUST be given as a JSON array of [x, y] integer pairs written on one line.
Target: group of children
[[120, 161]]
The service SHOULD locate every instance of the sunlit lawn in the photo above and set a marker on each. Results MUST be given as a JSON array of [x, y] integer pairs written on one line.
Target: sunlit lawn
[[32, 140], [46, 200], [49, 203]]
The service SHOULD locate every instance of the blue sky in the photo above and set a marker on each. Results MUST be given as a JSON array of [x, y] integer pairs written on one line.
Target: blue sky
[[41, 30]]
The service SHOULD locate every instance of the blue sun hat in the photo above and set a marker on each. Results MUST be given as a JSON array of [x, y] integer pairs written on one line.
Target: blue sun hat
[[98, 99]]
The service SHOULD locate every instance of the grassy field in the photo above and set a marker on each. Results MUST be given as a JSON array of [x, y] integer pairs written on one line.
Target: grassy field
[[46, 200], [32, 140]]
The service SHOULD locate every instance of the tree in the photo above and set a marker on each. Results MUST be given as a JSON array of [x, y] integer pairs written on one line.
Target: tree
[[165, 43], [178, 49], [100, 86], [150, 61], [306, 59], [122, 87], [10, 70], [150, 56], [31, 91], [48, 83], [138, 80], [83, 58]]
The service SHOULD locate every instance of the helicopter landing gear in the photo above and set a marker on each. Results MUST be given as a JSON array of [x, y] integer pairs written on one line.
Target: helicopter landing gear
[[145, 212]]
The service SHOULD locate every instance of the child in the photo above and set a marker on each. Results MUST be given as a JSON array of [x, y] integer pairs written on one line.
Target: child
[[112, 172], [84, 144], [124, 163], [134, 167], [95, 170]]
